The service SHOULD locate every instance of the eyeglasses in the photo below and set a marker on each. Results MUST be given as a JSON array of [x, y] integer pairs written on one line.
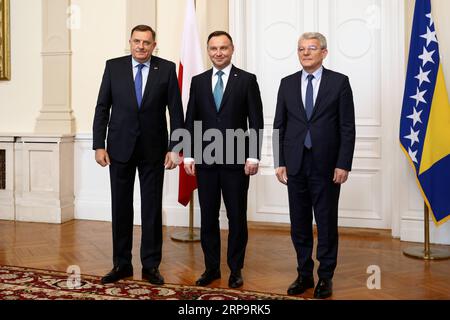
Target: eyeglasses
[[309, 48], [146, 43]]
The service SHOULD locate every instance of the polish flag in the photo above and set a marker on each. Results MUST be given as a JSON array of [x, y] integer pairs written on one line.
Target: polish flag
[[191, 64]]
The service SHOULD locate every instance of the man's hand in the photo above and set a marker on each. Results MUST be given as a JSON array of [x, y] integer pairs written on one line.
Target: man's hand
[[190, 168], [251, 168], [281, 174], [102, 157], [340, 176], [172, 160]]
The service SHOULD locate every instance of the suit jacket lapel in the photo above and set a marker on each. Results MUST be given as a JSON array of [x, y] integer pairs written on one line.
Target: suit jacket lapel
[[298, 94], [208, 86], [232, 79], [151, 79], [128, 70], [322, 91]]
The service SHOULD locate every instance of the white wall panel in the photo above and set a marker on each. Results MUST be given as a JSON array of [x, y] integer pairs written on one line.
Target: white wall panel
[[363, 45], [366, 42]]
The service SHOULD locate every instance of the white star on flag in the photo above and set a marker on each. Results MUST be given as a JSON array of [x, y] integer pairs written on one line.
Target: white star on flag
[[423, 76], [429, 36], [426, 56], [412, 155], [429, 16], [419, 97], [413, 136], [415, 117]]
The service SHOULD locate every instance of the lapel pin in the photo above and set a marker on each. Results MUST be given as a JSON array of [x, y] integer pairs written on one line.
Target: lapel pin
[[155, 68], [235, 74]]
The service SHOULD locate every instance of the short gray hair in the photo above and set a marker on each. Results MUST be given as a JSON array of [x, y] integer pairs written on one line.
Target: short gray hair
[[315, 35]]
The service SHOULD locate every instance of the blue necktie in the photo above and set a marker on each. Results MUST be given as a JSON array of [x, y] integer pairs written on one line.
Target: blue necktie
[[309, 105], [138, 84], [218, 90]]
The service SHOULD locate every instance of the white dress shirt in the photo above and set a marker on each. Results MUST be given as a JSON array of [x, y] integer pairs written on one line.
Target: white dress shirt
[[315, 83], [145, 71], [226, 75]]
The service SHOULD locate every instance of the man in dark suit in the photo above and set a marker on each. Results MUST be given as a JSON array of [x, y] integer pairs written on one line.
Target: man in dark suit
[[224, 98], [132, 101], [315, 135]]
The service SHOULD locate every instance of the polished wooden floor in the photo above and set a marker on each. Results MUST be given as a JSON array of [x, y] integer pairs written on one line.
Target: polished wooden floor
[[270, 261]]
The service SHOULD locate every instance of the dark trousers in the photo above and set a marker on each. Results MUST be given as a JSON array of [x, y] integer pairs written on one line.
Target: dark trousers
[[151, 178], [310, 190], [233, 184]]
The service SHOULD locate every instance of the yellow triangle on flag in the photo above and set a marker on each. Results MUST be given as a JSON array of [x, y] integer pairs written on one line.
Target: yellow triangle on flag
[[437, 139]]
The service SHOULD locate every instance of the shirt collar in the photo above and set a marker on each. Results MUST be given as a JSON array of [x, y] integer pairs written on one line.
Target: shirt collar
[[317, 74], [226, 71], [136, 63]]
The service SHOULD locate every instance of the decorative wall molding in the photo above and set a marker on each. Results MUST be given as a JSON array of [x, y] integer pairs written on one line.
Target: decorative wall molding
[[39, 178], [381, 192], [366, 40]]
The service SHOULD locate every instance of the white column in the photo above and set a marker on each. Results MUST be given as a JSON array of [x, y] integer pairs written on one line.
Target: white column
[[56, 115]]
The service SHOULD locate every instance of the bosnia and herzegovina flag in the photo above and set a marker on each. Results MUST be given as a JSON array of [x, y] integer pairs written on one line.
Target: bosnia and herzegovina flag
[[425, 119]]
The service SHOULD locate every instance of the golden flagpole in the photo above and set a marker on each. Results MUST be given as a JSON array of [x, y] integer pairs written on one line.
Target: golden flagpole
[[191, 235], [427, 253]]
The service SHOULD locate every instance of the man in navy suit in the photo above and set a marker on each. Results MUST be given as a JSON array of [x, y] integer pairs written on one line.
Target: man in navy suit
[[223, 99], [315, 120], [132, 102]]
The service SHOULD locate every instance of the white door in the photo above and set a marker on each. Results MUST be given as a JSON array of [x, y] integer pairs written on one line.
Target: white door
[[365, 42]]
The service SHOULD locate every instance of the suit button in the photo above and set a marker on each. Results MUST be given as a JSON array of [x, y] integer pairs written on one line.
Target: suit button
[[218, 120]]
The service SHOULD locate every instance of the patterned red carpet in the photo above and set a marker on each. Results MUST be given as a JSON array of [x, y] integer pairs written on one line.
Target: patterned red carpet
[[17, 283]]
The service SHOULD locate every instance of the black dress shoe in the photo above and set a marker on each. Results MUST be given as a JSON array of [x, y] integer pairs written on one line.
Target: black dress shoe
[[116, 274], [152, 275], [324, 289], [300, 285], [235, 280], [207, 277]]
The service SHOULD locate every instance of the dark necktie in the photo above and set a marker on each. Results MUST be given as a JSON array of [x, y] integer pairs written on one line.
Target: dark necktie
[[218, 90], [309, 105], [138, 84]]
